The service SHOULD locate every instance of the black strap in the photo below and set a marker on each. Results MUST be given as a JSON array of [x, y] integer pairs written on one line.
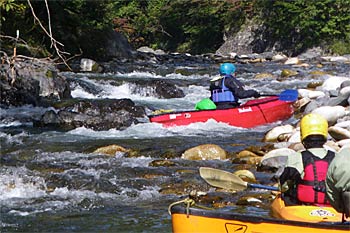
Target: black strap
[[315, 178]]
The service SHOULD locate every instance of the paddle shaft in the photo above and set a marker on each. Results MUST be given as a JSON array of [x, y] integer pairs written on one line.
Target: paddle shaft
[[260, 186], [269, 94]]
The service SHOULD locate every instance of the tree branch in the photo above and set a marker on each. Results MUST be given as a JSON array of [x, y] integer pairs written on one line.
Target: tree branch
[[54, 42]]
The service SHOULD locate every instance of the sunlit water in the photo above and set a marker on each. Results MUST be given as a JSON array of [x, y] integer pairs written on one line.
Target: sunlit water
[[51, 180]]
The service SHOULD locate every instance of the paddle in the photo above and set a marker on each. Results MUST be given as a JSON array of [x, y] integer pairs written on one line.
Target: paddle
[[286, 95], [226, 180]]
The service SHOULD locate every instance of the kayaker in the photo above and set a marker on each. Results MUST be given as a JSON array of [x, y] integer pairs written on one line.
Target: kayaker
[[226, 90], [305, 173], [338, 182]]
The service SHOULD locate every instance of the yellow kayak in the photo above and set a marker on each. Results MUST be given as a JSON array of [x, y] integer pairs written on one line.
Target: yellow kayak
[[304, 213], [198, 220]]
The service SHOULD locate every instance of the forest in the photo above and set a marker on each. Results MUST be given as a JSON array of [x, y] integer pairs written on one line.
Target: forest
[[49, 28]]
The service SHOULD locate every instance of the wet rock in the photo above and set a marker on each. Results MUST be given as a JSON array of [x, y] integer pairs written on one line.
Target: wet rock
[[169, 154], [312, 105], [21, 92], [273, 134], [31, 82], [182, 188], [331, 113], [254, 200], [260, 150], [89, 65], [245, 154], [162, 163], [295, 136], [146, 49], [344, 123], [248, 160], [249, 201], [301, 103], [244, 166], [152, 176], [292, 61], [214, 199], [335, 58], [264, 75], [242, 41], [111, 150], [279, 57], [333, 83], [222, 204], [305, 93], [287, 73], [205, 152], [311, 53], [317, 74], [95, 114], [161, 89], [314, 84], [338, 133]]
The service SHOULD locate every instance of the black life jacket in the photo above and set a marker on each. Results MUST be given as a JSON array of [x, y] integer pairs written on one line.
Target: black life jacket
[[221, 93], [312, 187]]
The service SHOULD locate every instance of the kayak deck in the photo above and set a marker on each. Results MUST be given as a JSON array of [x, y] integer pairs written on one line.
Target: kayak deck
[[307, 213], [253, 113], [200, 220]]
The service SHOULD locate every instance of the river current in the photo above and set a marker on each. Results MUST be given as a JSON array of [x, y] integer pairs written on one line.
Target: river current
[[51, 181]]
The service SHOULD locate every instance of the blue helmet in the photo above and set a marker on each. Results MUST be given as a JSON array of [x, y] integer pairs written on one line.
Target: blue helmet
[[227, 68]]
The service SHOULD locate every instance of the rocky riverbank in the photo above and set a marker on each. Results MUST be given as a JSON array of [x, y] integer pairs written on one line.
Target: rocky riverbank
[[42, 83]]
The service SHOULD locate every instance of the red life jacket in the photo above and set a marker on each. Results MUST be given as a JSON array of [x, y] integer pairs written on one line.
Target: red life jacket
[[312, 187]]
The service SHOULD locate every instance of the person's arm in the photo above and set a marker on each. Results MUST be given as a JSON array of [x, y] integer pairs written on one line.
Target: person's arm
[[237, 89], [333, 194], [289, 173], [293, 169], [338, 179]]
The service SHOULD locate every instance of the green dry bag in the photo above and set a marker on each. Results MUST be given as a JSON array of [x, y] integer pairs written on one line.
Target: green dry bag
[[205, 104]]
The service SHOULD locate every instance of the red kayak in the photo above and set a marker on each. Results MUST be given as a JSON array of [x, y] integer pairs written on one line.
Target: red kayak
[[251, 114]]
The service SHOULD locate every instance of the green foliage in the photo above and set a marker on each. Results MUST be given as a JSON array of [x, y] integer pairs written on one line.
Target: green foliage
[[195, 26], [340, 47], [11, 6], [301, 24]]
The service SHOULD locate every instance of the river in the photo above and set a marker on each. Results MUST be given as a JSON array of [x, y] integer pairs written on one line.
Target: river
[[50, 181]]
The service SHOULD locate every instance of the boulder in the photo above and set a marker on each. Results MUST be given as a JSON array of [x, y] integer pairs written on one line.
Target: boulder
[[98, 114], [205, 152]]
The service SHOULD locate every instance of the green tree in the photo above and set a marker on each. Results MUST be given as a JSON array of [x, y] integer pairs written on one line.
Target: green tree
[[301, 24]]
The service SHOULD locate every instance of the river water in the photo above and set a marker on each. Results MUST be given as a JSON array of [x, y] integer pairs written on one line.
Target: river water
[[50, 181]]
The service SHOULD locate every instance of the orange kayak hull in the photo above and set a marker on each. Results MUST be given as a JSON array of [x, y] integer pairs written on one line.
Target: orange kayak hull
[[200, 221]]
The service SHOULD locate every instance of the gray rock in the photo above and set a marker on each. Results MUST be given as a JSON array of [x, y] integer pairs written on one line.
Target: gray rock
[[32, 82], [102, 114], [311, 54], [242, 41]]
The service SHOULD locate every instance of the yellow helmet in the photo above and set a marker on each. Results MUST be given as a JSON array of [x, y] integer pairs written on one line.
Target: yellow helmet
[[313, 124]]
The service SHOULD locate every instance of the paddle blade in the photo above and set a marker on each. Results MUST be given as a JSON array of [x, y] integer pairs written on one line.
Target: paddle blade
[[288, 95], [222, 179]]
